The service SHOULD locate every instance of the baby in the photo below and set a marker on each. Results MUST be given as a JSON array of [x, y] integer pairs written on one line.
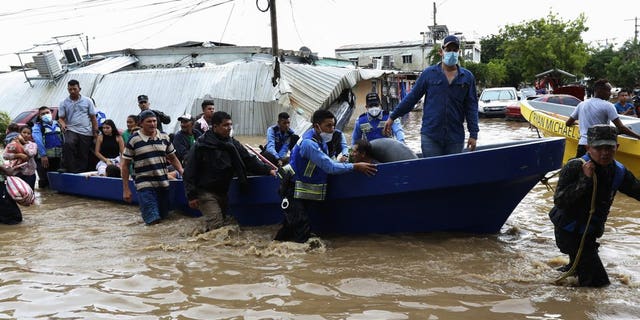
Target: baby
[[14, 151]]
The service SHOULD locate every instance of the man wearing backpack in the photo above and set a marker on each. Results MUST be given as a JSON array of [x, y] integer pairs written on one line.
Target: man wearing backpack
[[579, 216]]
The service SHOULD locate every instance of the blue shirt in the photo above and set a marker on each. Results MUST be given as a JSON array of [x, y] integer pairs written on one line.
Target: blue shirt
[[310, 150], [370, 128], [278, 141], [446, 106], [620, 109]]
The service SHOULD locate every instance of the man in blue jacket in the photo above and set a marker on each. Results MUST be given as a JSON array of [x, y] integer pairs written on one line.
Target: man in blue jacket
[[450, 100], [280, 139], [311, 165], [370, 125]]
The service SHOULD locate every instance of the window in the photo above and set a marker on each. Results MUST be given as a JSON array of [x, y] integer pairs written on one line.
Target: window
[[407, 59], [354, 61]]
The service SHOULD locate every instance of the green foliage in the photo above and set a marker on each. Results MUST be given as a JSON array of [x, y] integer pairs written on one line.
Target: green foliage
[[521, 51], [597, 64], [5, 120], [491, 48], [624, 68], [543, 44]]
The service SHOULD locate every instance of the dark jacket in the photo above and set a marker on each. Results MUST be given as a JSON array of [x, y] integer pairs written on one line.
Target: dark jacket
[[181, 143], [572, 198], [214, 161]]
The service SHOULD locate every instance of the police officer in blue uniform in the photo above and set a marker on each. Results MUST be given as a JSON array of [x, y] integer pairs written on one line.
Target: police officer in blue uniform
[[370, 125], [280, 139], [311, 166]]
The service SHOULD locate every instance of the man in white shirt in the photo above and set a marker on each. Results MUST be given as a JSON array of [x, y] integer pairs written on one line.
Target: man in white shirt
[[597, 110]]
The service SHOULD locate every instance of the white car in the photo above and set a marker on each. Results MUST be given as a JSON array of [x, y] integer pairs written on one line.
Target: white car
[[494, 101]]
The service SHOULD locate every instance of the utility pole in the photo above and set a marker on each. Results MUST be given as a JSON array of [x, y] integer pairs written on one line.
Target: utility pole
[[635, 33], [274, 42], [433, 32]]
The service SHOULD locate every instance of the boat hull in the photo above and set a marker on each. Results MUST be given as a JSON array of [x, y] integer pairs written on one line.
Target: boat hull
[[549, 119], [473, 192]]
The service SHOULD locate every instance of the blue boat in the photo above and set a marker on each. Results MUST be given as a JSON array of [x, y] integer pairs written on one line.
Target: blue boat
[[470, 192]]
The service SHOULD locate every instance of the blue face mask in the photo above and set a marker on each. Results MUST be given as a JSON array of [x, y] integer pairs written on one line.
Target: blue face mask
[[450, 58]]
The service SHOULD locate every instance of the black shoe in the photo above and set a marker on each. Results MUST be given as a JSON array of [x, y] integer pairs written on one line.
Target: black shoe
[[564, 268]]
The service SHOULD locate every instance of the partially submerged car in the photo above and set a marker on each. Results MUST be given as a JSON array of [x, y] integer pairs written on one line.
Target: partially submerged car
[[513, 110], [494, 101]]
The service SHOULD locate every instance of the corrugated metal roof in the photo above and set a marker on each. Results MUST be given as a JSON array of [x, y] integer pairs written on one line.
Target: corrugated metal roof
[[242, 89], [108, 65]]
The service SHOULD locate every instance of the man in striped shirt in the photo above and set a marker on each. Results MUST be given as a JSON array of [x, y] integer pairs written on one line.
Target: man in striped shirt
[[149, 149]]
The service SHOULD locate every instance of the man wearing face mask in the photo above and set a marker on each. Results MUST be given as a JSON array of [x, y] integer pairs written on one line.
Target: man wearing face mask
[[311, 166], [450, 100], [47, 135], [370, 125]]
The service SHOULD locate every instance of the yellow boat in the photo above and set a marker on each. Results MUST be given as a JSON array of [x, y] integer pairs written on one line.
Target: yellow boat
[[549, 119]]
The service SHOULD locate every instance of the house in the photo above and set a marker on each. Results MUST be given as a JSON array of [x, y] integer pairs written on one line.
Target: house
[[178, 78]]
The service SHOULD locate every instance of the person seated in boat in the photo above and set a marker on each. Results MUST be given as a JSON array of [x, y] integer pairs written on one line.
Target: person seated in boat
[[213, 162], [361, 151], [370, 125], [623, 106], [310, 165], [109, 146], [132, 126], [185, 137], [594, 111], [280, 140], [576, 226], [111, 171], [149, 150], [337, 147]]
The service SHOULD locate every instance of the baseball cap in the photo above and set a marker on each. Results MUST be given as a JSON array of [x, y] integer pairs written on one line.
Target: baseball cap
[[146, 114], [601, 135], [450, 39], [143, 98], [185, 117], [373, 99]]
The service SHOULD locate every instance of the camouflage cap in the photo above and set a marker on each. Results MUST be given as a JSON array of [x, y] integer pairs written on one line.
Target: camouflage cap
[[602, 134]]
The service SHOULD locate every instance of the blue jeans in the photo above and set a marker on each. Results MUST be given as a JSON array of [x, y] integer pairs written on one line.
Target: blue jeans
[[154, 204], [432, 148]]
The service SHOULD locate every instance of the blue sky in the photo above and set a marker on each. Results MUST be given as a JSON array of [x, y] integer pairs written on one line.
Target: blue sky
[[321, 25]]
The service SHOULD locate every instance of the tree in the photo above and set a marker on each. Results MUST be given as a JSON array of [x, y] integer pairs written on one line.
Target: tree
[[547, 43], [491, 48], [624, 68], [597, 64], [5, 120]]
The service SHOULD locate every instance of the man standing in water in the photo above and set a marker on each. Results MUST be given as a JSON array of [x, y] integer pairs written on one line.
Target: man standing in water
[[450, 99], [311, 166], [149, 149], [575, 225], [77, 119], [213, 161]]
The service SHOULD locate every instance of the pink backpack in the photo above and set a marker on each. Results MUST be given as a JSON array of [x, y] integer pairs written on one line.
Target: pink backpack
[[20, 191]]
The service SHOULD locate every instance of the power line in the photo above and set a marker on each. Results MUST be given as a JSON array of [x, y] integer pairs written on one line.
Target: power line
[[227, 24], [295, 25]]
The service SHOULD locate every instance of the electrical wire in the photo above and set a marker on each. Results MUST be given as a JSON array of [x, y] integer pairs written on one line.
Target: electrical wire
[[295, 25], [227, 24]]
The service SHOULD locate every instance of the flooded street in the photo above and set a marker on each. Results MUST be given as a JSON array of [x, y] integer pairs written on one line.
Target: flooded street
[[75, 258]]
